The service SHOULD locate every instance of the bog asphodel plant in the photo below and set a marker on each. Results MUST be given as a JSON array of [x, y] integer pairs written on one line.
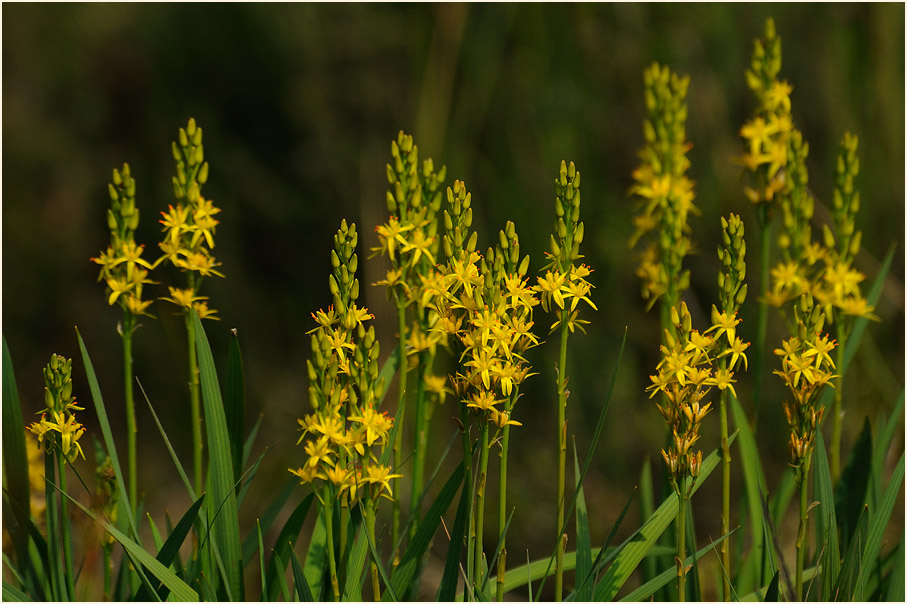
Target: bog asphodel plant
[[187, 244], [806, 368], [345, 435], [666, 193]]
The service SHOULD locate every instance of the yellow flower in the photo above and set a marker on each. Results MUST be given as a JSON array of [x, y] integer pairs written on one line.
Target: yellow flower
[[390, 235], [176, 222], [551, 286], [483, 401], [381, 476], [117, 287], [419, 244], [199, 262], [501, 418], [736, 348], [183, 297], [377, 425], [203, 216]]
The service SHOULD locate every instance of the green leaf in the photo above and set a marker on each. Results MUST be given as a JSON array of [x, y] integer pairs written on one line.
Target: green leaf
[[220, 466], [754, 480], [246, 479], [773, 594], [846, 585], [261, 564], [880, 521], [316, 559], [883, 442], [126, 508], [288, 535], [412, 557], [646, 509], [583, 541], [173, 456], [15, 458], [14, 594], [168, 578], [250, 440], [648, 589], [760, 594], [235, 403], [352, 588], [635, 548], [300, 584], [850, 492], [250, 545], [450, 579], [827, 523], [895, 592], [171, 547]]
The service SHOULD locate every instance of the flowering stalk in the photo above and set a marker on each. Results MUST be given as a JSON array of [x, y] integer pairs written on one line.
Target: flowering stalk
[[767, 136], [189, 238], [806, 367], [732, 293], [125, 272], [564, 284], [666, 194]]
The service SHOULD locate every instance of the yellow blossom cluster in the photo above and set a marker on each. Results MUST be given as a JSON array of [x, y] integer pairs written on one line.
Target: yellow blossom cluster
[[345, 433], [806, 367], [122, 267], [686, 374], [666, 194], [61, 432], [767, 135], [564, 284], [189, 226]]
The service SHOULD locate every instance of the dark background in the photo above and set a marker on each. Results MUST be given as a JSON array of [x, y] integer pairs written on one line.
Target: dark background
[[299, 103]]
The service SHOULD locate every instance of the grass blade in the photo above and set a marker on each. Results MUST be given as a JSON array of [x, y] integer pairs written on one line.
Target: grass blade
[[850, 573], [220, 465], [126, 508], [316, 560], [300, 585], [881, 446], [895, 592], [583, 541], [450, 579], [267, 519], [288, 535], [648, 589], [826, 521], [880, 521], [261, 564], [168, 578], [173, 456], [14, 594], [250, 440], [635, 549], [850, 491], [412, 557], [235, 403], [773, 594]]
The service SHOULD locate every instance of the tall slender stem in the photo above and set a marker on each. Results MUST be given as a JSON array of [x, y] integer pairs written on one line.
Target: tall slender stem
[[195, 406], [65, 529], [502, 501], [467, 485], [329, 537], [53, 544], [480, 502], [804, 520], [131, 430], [401, 413], [562, 457], [423, 415], [836, 411], [681, 542], [370, 527], [726, 494], [762, 318]]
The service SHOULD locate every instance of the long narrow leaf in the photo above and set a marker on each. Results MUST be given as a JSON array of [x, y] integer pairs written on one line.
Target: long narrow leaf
[[100, 410], [261, 565], [316, 560], [173, 456], [827, 523], [303, 592], [895, 592], [583, 541], [449, 580], [850, 492], [880, 521], [15, 457], [645, 591], [267, 519], [849, 577], [14, 594], [288, 535], [635, 549], [220, 464], [235, 403], [177, 587]]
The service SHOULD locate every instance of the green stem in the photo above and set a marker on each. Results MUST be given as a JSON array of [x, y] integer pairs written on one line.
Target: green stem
[[370, 527], [726, 495], [502, 501], [562, 458], [107, 568], [401, 412], [131, 430], [64, 522], [423, 415], [804, 520], [480, 503], [328, 507], [836, 410], [195, 406], [467, 485], [762, 318], [681, 543], [53, 545]]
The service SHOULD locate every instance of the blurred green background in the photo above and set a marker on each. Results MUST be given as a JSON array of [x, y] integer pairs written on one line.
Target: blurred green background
[[299, 104]]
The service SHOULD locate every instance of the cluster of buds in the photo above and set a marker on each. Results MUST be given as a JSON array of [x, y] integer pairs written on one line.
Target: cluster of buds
[[61, 431], [564, 282], [344, 433], [189, 226], [806, 367], [666, 194], [731, 295], [768, 133], [122, 267]]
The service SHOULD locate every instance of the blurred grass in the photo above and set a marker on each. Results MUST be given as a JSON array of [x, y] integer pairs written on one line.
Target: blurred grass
[[299, 103]]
